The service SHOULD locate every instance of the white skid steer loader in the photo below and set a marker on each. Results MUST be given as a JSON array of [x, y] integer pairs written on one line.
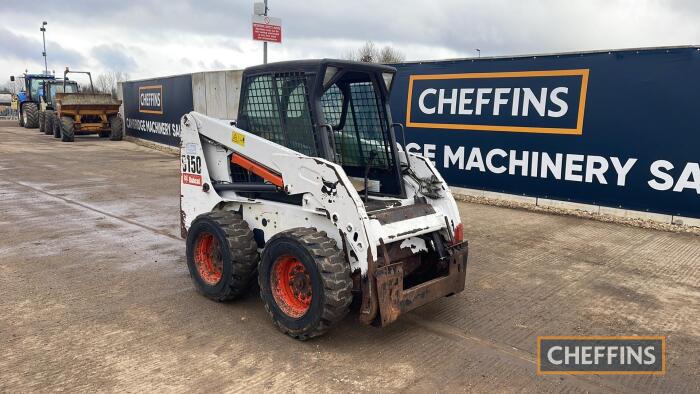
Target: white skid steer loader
[[308, 192]]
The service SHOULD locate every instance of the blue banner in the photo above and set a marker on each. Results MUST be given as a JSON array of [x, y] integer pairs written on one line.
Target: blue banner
[[613, 128], [153, 107]]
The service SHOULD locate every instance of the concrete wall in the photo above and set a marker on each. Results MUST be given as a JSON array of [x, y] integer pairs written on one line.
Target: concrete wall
[[216, 93]]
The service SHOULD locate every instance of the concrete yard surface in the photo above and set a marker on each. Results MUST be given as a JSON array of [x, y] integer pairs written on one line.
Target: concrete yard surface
[[95, 295]]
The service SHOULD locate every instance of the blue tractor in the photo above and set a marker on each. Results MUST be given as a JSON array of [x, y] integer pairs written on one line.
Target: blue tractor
[[29, 98]]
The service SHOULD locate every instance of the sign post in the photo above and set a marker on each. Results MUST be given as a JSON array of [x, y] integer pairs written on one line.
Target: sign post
[[265, 28]]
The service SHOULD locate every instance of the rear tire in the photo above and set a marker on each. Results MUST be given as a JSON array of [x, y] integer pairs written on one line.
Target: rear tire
[[222, 255], [116, 124], [31, 115], [56, 125], [304, 282], [48, 122], [67, 129]]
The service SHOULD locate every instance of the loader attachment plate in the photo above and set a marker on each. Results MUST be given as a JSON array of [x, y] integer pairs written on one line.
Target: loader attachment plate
[[394, 300]]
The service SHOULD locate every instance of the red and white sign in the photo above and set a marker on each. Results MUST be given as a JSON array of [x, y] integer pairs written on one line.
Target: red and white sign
[[267, 28], [192, 179]]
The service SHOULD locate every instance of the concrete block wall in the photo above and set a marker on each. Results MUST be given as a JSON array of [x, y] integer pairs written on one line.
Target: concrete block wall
[[216, 93]]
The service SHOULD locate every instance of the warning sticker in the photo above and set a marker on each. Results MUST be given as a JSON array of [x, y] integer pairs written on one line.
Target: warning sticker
[[238, 138]]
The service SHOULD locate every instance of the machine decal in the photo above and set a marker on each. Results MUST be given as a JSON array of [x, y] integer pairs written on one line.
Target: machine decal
[[191, 170], [191, 179]]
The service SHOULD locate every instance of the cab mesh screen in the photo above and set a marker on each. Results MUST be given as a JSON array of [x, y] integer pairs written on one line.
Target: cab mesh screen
[[277, 109], [359, 123]]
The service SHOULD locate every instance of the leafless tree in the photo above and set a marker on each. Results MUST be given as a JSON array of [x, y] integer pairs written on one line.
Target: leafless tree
[[12, 86], [107, 82], [370, 53]]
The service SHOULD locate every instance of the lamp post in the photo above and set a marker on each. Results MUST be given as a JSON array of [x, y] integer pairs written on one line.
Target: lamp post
[[43, 36], [265, 43], [478, 51]]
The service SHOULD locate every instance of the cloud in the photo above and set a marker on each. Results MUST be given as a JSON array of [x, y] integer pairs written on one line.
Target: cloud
[[155, 35], [27, 50], [114, 57]]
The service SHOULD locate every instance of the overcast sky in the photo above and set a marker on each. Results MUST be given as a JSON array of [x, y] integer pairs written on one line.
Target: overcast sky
[[148, 38]]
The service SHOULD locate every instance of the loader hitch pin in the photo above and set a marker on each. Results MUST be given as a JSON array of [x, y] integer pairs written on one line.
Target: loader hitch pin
[[291, 286], [207, 259]]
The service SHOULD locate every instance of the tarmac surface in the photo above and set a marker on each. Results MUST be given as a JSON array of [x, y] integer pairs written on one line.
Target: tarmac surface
[[95, 295]]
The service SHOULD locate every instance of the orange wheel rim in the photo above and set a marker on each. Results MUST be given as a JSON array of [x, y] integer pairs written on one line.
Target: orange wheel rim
[[291, 286], [207, 259]]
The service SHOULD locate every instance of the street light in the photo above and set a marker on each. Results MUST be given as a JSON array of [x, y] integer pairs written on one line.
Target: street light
[[478, 51], [260, 9], [43, 36]]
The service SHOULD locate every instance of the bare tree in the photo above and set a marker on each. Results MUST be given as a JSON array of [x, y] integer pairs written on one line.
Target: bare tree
[[369, 53], [12, 86], [107, 82]]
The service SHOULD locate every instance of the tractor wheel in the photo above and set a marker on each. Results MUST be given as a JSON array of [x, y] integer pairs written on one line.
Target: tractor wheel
[[41, 121], [48, 122], [116, 124], [304, 282], [30, 112], [56, 126], [67, 129], [222, 255]]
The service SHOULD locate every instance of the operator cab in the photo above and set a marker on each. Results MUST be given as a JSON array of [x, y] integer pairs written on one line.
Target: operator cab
[[51, 87], [334, 109]]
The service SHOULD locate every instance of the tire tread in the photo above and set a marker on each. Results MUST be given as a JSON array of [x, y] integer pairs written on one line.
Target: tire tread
[[335, 275]]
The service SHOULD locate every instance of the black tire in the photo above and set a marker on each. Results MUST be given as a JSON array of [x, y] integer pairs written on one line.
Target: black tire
[[116, 126], [41, 121], [235, 254], [31, 113], [48, 122], [56, 126], [20, 118], [329, 274], [67, 129]]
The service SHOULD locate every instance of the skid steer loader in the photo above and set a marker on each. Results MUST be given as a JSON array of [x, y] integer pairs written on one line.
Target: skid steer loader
[[309, 193]]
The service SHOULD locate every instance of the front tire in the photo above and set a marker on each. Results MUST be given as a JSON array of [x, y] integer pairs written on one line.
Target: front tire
[[222, 255], [56, 126], [42, 120], [304, 282], [31, 115], [67, 129], [48, 122]]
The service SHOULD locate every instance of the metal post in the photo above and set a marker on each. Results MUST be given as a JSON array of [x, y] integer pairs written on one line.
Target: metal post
[[265, 43], [43, 36]]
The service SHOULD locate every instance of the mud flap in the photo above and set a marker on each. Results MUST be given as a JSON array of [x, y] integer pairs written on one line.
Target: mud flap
[[394, 300]]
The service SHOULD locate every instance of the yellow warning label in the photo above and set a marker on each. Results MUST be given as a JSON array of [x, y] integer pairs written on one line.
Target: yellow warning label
[[238, 138]]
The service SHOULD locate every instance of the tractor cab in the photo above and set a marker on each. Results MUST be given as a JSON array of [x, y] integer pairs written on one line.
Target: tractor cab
[[334, 109], [31, 86], [51, 87], [29, 97]]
